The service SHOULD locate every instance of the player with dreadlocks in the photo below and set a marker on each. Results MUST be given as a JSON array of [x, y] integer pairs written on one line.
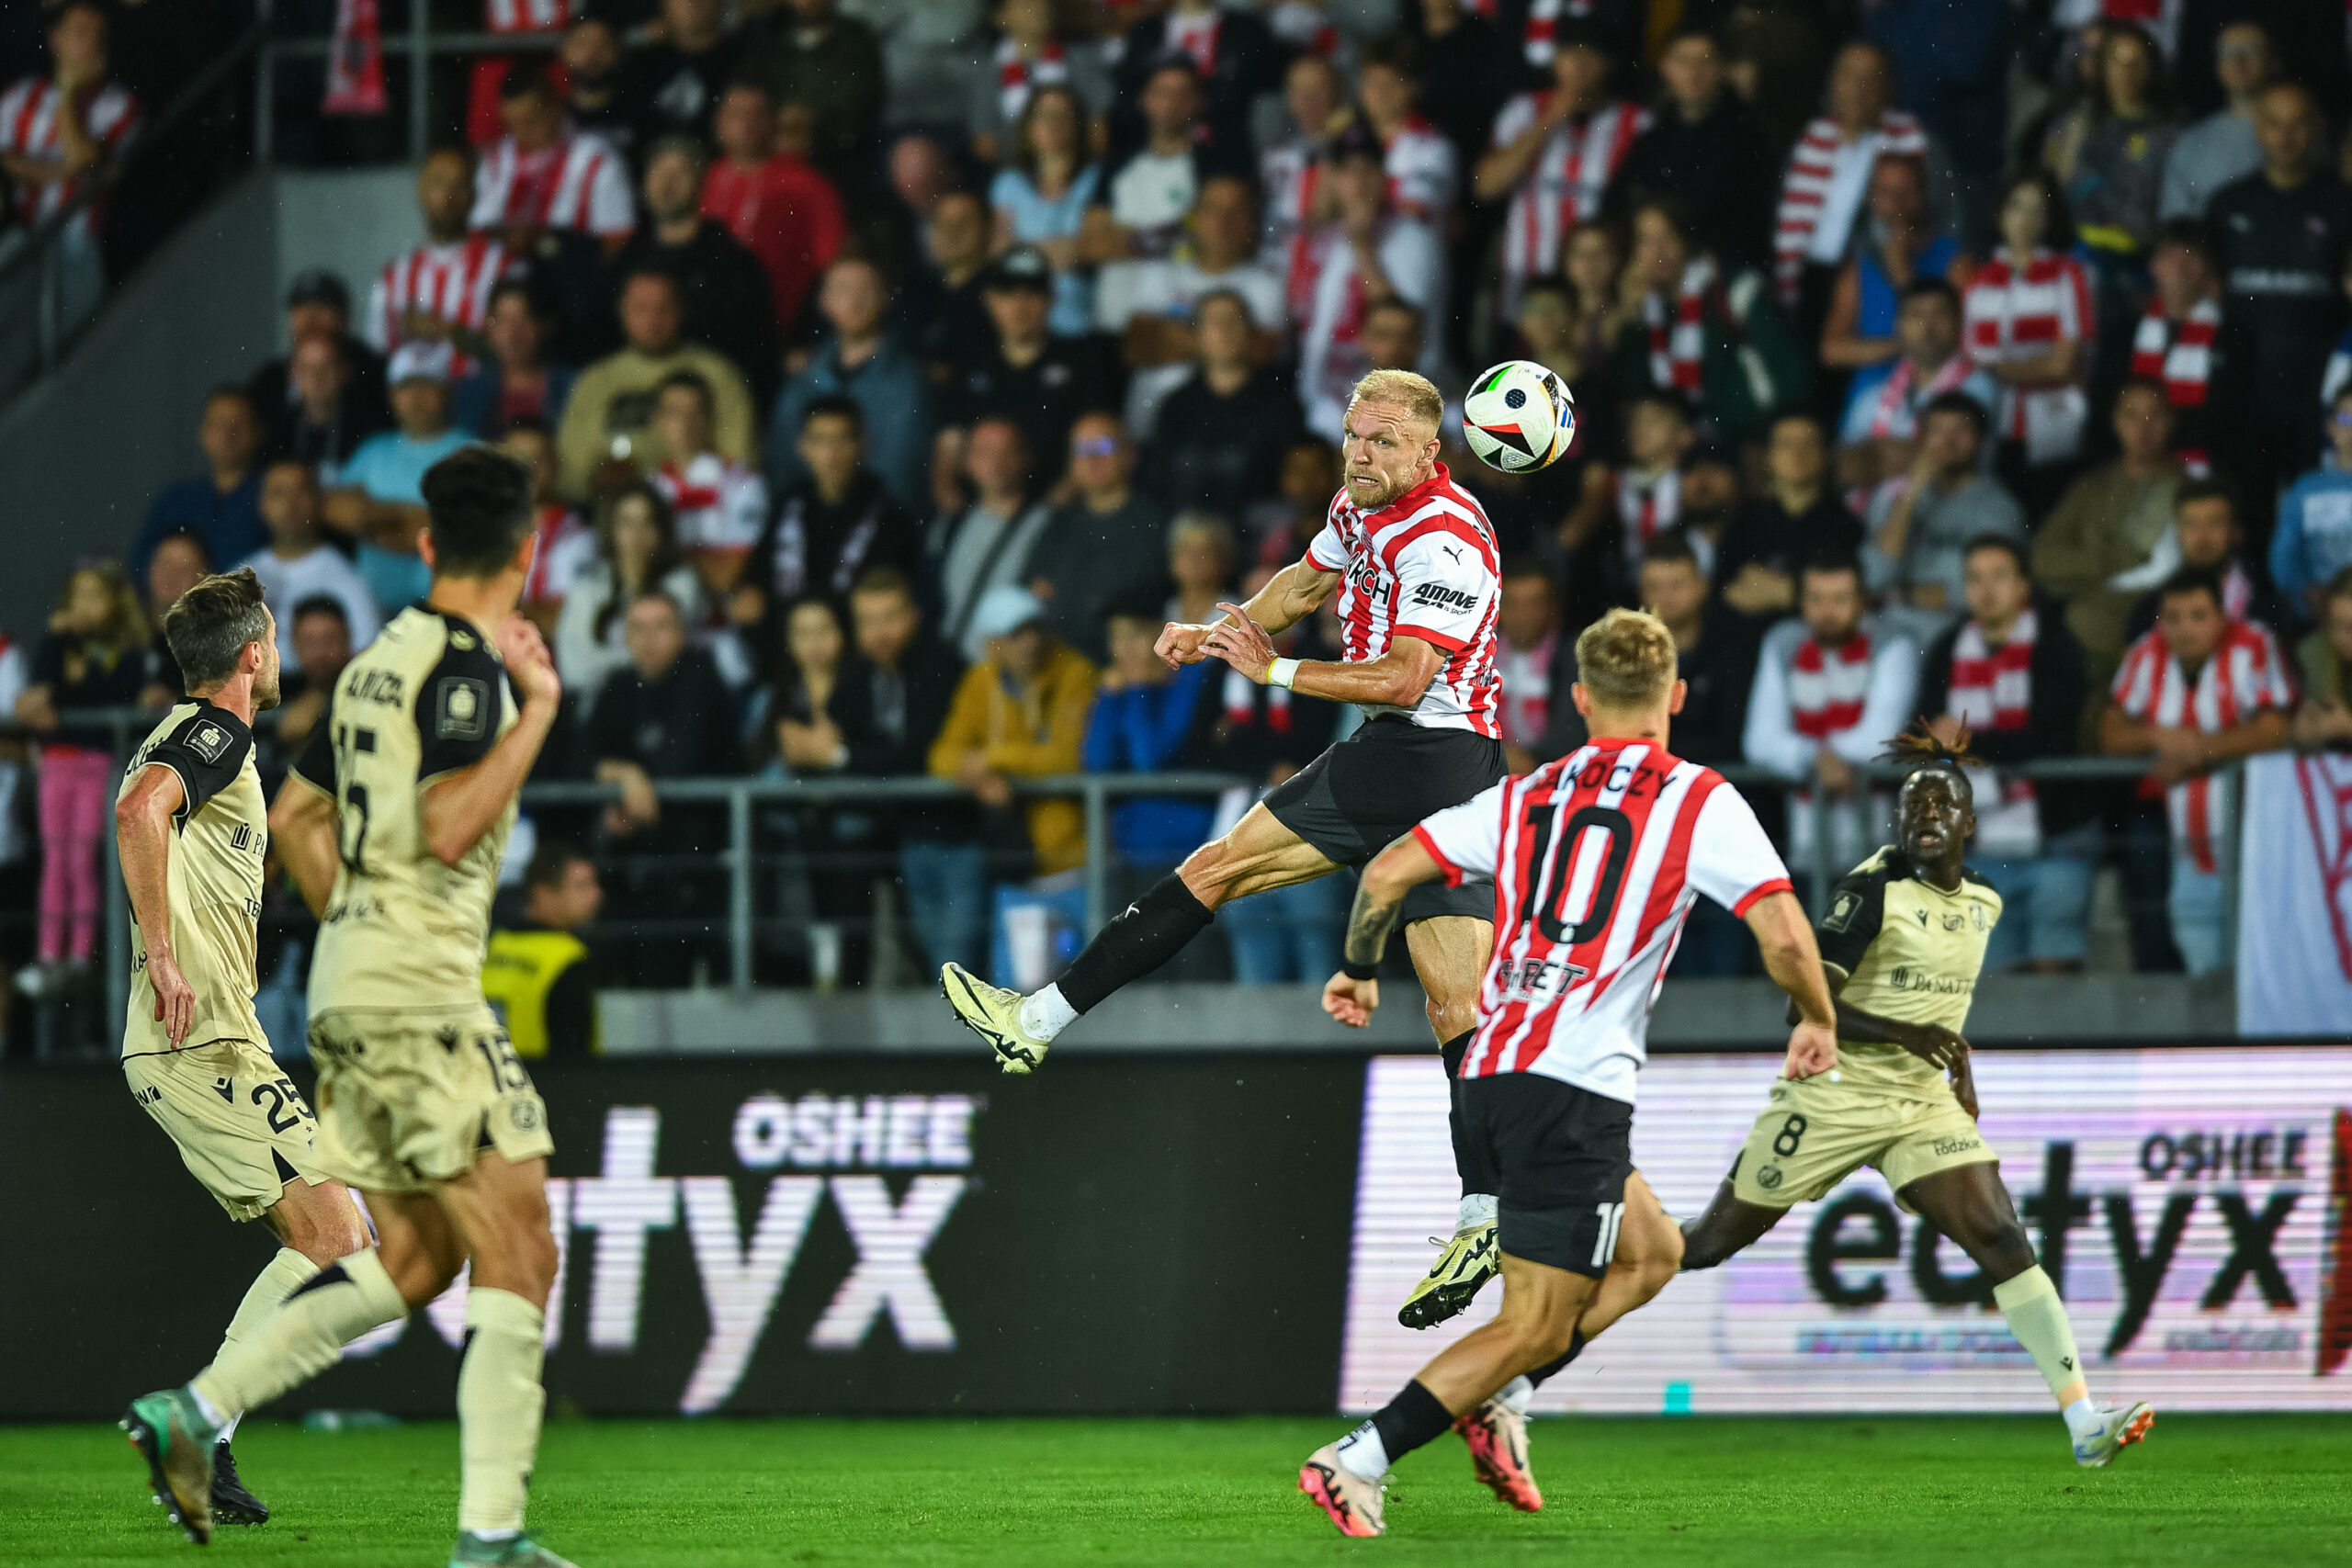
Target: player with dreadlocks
[[1901, 945]]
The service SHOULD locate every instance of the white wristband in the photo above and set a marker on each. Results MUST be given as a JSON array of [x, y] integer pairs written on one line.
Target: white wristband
[[1281, 673]]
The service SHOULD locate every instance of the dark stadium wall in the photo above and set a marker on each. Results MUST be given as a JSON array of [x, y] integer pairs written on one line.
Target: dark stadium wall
[[1155, 1235], [86, 450]]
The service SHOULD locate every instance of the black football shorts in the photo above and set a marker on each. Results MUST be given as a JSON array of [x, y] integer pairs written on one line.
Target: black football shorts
[[1370, 790], [1562, 1154]]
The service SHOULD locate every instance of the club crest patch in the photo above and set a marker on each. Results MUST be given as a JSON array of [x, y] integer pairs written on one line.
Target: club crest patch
[[209, 740], [1842, 909], [463, 710]]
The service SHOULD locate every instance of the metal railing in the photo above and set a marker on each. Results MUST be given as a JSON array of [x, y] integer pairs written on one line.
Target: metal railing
[[1094, 792], [418, 44]]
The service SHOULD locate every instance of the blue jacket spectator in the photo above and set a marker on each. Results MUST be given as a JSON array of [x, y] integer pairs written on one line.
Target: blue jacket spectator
[[477, 403], [380, 500], [2313, 539], [862, 360], [516, 380], [1149, 718], [224, 509]]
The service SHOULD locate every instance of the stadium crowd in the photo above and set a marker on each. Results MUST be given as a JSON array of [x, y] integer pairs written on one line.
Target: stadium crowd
[[892, 372]]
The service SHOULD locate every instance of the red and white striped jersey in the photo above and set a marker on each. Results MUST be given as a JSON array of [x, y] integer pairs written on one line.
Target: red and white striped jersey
[[28, 128], [452, 282], [2012, 313], [2246, 677], [1564, 185], [1811, 191], [1424, 566], [580, 182], [1597, 859]]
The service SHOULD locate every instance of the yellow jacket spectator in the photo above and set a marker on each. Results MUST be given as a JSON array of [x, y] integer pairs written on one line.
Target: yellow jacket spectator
[[536, 974], [614, 397], [1021, 713]]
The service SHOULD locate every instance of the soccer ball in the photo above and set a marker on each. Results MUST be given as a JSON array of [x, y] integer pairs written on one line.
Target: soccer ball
[[1519, 417]]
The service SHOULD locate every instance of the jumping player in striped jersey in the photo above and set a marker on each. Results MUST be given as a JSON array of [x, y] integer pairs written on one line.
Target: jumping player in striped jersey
[[1412, 560], [1596, 860]]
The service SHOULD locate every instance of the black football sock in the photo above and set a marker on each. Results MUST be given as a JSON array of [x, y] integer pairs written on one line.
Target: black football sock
[[1407, 1422], [1577, 1342], [1152, 930], [1478, 1178]]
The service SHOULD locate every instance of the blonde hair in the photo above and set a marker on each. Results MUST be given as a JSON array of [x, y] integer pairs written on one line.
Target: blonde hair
[[1421, 402], [1626, 659]]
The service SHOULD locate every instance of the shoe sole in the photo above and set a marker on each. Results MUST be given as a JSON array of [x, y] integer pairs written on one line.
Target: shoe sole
[[1434, 1306], [1512, 1486], [1316, 1483], [228, 1511], [1016, 1059], [142, 1439]]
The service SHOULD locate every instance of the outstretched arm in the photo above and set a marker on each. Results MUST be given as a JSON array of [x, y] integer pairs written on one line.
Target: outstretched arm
[[1352, 996], [1289, 597], [1396, 679]]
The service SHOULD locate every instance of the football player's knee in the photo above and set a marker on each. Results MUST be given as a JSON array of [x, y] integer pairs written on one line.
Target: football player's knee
[[2000, 1247]]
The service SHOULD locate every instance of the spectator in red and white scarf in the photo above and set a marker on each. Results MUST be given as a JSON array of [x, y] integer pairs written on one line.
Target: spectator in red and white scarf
[[1528, 654], [2206, 536], [1556, 154], [1830, 686], [1423, 178], [1367, 257], [2198, 691], [1624, 508], [1828, 177], [2179, 340], [1291, 172], [720, 505], [1028, 55], [2030, 323], [1881, 434], [1716, 340], [2014, 675]]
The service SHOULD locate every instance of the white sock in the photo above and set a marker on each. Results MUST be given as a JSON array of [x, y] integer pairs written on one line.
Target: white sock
[[1517, 1392], [1045, 1014], [205, 1407], [494, 1535], [2084, 1420], [228, 1428], [1363, 1453], [1476, 1209]]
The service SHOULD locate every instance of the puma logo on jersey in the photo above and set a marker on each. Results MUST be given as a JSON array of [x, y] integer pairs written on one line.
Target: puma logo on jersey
[[1437, 594], [1451, 553]]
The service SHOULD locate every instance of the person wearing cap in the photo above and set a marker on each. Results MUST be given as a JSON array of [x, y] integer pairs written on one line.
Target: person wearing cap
[[318, 310], [729, 302], [1026, 375], [1021, 713], [379, 499]]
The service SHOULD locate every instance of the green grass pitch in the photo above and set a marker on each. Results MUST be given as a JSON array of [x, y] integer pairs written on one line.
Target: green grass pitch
[[1723, 1493]]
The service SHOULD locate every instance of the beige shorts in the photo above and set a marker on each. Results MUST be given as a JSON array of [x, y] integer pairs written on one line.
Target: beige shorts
[[238, 1121], [1816, 1134], [407, 1100]]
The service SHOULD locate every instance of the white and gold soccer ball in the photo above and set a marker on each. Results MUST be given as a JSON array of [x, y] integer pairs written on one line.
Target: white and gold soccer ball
[[1518, 416]]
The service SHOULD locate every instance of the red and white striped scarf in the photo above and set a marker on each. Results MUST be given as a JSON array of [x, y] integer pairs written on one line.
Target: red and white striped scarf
[[355, 61], [1678, 352], [2246, 675], [1826, 687], [1807, 187], [1016, 78], [1894, 408], [1992, 688], [1540, 41], [1647, 508], [1565, 188], [2182, 360]]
